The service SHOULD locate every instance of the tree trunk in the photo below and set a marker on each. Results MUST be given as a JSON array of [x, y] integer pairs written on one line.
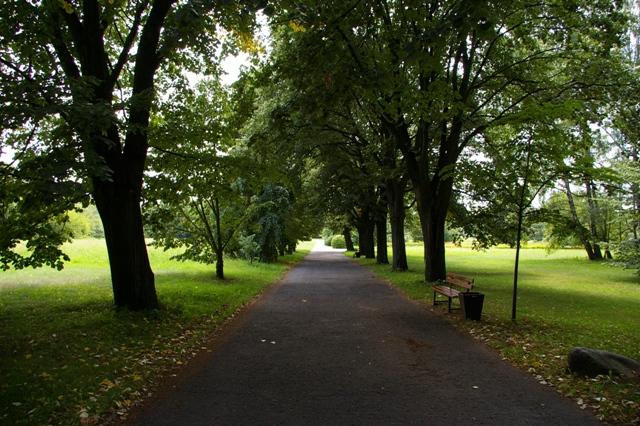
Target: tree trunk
[[220, 265], [348, 241], [365, 234], [131, 275], [218, 245], [574, 215], [432, 222], [593, 218], [597, 252], [382, 257], [635, 196], [395, 198], [433, 189]]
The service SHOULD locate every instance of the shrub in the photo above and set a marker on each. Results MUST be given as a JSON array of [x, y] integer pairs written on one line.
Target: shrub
[[249, 247], [628, 253], [327, 235], [337, 241]]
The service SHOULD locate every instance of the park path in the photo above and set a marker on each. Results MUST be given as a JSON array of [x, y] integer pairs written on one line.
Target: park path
[[333, 345]]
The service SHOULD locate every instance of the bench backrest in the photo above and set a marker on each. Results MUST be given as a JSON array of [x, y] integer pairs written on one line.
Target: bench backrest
[[460, 280]]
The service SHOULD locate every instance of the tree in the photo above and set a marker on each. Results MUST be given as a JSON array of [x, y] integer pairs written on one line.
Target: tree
[[518, 164], [436, 75], [199, 198], [336, 126], [273, 208], [86, 70]]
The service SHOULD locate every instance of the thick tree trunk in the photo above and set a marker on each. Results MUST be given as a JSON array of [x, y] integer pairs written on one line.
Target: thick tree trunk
[[367, 243], [432, 202], [433, 224], [395, 198], [131, 275], [348, 241], [382, 257], [597, 252]]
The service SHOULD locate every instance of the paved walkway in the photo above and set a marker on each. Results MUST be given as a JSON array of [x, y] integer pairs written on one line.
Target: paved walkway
[[333, 345]]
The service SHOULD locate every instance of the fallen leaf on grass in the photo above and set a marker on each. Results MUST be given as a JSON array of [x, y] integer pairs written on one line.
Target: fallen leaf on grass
[[107, 384]]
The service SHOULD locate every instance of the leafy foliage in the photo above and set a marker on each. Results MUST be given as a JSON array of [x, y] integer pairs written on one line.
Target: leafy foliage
[[197, 198], [628, 254], [337, 241]]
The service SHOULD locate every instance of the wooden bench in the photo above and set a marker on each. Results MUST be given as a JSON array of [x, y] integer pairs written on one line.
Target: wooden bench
[[451, 287]]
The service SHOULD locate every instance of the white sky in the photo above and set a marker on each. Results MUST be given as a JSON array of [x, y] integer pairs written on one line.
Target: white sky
[[231, 66]]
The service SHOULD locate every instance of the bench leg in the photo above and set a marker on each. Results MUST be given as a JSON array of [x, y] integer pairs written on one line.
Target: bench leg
[[449, 304], [434, 298]]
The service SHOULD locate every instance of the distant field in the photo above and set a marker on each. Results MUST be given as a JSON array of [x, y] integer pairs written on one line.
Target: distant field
[[564, 300], [68, 357]]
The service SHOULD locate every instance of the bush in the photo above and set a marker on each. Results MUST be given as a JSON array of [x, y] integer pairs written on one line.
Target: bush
[[248, 247], [72, 224], [628, 253], [327, 235], [337, 241]]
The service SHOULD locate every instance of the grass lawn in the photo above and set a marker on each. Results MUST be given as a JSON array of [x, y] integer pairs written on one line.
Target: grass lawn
[[67, 356], [563, 301]]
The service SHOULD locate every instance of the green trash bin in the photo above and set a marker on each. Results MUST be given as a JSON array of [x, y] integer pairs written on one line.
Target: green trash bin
[[471, 303]]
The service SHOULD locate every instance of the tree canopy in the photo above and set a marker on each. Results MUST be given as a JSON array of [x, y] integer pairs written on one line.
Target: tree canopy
[[358, 114]]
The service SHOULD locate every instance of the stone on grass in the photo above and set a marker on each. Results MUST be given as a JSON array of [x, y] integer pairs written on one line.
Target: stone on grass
[[593, 362]]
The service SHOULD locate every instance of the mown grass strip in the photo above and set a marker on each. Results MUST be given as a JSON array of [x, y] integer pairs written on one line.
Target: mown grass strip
[[563, 301], [67, 356]]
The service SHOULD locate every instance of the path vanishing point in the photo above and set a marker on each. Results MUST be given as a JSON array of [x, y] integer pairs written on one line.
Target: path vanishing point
[[333, 345]]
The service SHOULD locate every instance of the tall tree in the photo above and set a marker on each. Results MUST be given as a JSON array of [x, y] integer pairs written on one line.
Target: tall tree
[[438, 74], [88, 68]]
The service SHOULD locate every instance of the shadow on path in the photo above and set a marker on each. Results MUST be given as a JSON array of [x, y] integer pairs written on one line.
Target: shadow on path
[[334, 345]]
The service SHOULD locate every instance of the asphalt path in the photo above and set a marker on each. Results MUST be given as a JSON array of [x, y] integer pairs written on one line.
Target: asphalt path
[[333, 345]]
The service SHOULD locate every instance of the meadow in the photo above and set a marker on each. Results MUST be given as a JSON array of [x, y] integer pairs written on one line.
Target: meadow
[[67, 356], [563, 301]]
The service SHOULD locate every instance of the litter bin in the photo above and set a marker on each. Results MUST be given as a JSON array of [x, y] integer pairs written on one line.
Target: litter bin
[[471, 303]]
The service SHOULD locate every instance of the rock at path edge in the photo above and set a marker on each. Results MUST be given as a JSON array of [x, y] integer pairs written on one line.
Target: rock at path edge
[[592, 362]]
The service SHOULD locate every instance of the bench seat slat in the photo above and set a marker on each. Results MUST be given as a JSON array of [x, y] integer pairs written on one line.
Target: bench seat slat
[[447, 291]]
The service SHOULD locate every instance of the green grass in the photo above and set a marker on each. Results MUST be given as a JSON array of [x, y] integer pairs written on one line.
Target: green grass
[[67, 356], [563, 301]]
